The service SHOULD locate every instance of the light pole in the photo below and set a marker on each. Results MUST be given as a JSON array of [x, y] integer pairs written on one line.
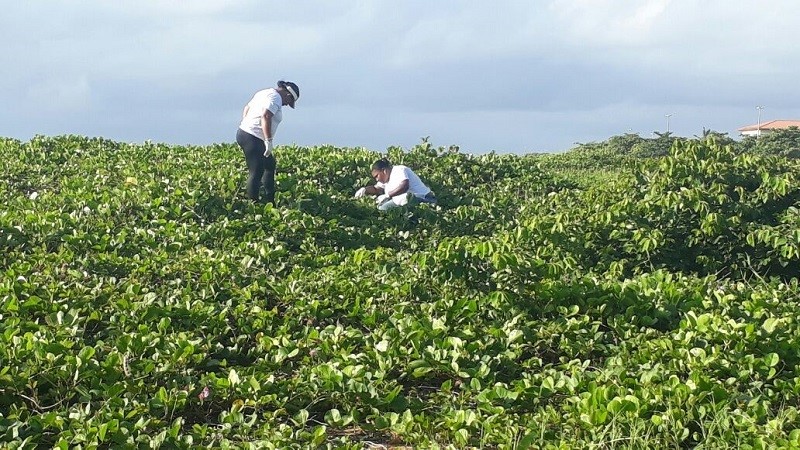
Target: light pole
[[758, 130], [667, 116]]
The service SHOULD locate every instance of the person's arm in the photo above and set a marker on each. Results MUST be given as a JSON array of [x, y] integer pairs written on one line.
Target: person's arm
[[266, 125], [401, 189], [373, 190], [266, 128]]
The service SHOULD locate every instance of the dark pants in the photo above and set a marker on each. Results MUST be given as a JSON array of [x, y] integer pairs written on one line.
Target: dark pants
[[430, 197], [261, 169]]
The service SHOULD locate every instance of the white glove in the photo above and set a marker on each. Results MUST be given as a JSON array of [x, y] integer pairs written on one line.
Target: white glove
[[268, 144], [383, 198], [360, 193]]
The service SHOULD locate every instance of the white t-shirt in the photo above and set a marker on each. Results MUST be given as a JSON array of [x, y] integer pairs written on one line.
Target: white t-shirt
[[267, 99], [400, 173]]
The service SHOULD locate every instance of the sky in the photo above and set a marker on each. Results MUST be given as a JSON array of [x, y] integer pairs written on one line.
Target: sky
[[505, 76]]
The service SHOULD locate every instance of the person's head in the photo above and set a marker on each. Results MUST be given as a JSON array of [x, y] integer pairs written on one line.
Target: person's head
[[381, 170], [289, 92]]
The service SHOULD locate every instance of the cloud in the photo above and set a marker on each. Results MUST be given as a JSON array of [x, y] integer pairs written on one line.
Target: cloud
[[483, 31], [65, 96], [534, 74]]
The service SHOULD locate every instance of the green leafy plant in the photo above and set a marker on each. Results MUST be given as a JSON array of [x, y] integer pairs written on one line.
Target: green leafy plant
[[610, 296]]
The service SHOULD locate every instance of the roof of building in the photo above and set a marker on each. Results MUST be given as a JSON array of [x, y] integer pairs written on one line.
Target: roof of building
[[772, 125]]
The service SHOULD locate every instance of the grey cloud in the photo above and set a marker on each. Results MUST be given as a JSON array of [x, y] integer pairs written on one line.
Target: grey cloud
[[508, 75]]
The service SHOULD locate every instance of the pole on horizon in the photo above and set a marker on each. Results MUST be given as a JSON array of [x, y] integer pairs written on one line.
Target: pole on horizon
[[667, 116], [758, 130]]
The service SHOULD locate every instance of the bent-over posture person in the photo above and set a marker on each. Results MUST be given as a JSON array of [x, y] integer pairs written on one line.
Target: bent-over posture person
[[260, 119], [396, 186]]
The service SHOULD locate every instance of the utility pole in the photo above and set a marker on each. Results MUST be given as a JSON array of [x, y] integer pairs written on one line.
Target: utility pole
[[758, 130], [668, 116]]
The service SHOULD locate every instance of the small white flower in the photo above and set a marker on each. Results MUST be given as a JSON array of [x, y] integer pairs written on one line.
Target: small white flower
[[33, 195]]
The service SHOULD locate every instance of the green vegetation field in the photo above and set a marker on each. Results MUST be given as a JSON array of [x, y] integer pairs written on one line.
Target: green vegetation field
[[634, 293]]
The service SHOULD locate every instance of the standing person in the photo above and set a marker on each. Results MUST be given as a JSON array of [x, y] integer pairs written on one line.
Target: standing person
[[396, 186], [260, 119]]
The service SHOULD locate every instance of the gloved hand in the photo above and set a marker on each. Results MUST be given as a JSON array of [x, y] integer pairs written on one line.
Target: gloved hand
[[383, 198], [360, 193], [268, 144]]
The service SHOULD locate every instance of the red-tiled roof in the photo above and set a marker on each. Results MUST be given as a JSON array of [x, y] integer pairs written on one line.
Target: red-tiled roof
[[773, 125]]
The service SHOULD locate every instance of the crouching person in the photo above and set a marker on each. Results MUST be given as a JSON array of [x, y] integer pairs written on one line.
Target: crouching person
[[396, 186]]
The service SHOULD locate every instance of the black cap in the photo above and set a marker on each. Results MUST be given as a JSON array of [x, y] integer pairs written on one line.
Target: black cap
[[294, 91]]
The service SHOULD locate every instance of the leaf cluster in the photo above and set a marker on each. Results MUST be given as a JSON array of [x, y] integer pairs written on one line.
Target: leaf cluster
[[557, 301]]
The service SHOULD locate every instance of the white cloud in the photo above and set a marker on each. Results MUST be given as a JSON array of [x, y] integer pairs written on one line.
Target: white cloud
[[192, 49], [596, 23], [167, 10], [482, 31], [386, 71], [712, 37], [62, 96]]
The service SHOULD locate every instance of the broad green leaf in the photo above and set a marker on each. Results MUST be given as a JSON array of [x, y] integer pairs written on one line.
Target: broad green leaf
[[772, 359], [770, 324]]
